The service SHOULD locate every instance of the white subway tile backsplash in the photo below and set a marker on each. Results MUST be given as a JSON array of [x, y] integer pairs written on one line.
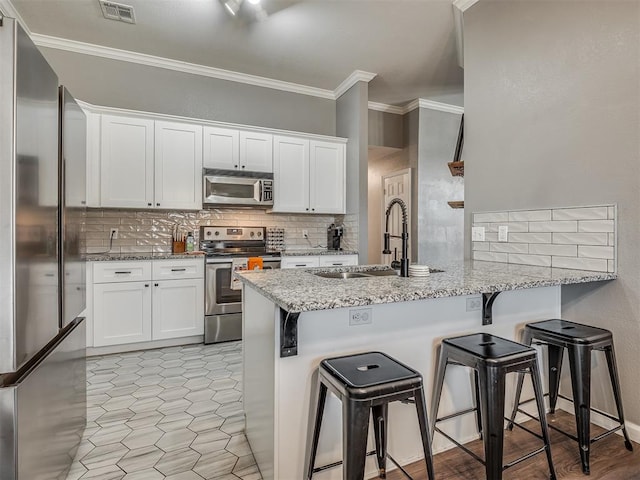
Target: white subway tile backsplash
[[535, 260], [510, 247], [491, 256], [595, 226], [568, 237], [553, 249], [595, 264], [581, 238], [490, 217], [517, 227], [530, 216], [554, 226], [581, 213], [529, 237], [591, 251]]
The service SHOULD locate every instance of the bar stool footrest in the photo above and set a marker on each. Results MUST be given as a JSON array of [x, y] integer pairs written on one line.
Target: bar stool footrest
[[369, 454]]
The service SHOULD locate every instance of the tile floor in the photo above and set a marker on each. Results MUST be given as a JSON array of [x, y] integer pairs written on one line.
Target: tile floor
[[173, 413]]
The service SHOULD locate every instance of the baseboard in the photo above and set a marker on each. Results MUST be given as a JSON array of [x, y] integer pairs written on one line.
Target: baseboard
[[632, 429], [132, 347]]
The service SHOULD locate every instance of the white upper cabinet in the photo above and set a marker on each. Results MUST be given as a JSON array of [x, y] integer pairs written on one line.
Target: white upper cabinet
[[327, 177], [93, 159], [309, 176], [244, 151], [178, 166], [290, 174], [221, 148], [256, 152], [150, 164], [126, 162]]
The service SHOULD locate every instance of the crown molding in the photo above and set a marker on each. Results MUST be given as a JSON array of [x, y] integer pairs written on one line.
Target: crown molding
[[7, 8], [383, 107], [417, 103], [351, 80], [176, 65]]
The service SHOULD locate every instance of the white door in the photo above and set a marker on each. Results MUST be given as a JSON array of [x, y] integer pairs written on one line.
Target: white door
[[256, 152], [221, 148], [396, 185], [326, 177], [178, 166], [121, 313], [126, 162], [126, 157], [178, 308], [290, 174]]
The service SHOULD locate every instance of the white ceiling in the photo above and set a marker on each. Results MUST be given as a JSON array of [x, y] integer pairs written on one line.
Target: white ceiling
[[409, 44]]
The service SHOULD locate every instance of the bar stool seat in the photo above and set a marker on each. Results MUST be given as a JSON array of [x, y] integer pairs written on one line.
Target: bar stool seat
[[491, 358], [366, 383], [579, 340]]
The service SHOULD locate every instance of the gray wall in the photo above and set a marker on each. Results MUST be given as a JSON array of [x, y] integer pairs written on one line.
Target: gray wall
[[440, 232], [552, 97], [351, 123], [385, 129], [411, 133], [114, 83]]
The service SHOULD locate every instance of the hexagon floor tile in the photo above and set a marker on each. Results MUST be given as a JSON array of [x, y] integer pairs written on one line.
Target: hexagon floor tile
[[172, 413]]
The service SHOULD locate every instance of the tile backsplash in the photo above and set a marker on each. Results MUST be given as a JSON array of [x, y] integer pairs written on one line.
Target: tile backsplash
[[150, 230], [582, 238]]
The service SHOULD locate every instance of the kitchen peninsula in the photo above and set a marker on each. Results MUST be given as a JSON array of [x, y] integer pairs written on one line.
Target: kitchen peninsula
[[294, 318]]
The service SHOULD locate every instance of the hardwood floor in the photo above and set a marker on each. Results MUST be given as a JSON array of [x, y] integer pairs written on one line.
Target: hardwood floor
[[610, 460]]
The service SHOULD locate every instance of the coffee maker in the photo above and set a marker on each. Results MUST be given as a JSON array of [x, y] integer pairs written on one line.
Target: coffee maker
[[334, 234]]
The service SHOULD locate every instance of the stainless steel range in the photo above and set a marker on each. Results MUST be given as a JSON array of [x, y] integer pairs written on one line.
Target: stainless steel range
[[229, 248]]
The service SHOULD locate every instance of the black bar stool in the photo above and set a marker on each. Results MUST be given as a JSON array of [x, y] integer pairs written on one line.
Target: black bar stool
[[491, 358], [365, 383], [579, 340]]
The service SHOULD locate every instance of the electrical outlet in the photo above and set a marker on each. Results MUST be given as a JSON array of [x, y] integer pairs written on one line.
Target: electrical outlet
[[113, 233], [477, 234], [503, 233], [361, 316], [305, 233], [474, 304]]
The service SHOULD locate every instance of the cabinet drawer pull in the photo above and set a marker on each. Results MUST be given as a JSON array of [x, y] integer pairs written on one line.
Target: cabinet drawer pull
[[49, 274], [301, 264], [123, 273], [337, 264], [178, 269], [146, 285]]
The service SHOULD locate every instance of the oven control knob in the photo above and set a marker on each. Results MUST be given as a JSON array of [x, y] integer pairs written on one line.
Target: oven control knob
[[217, 233], [208, 234], [251, 234], [259, 234]]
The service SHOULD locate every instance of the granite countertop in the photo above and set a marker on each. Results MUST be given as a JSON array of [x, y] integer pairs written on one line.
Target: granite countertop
[[314, 252], [114, 257], [298, 290]]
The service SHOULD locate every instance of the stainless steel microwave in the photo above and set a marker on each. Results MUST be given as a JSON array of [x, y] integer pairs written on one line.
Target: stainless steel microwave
[[221, 187]]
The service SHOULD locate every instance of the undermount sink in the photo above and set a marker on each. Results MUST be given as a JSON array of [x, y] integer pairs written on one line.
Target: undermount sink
[[382, 273], [342, 275]]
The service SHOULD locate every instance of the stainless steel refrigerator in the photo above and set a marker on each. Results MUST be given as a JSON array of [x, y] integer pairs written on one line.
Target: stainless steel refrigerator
[[42, 339]]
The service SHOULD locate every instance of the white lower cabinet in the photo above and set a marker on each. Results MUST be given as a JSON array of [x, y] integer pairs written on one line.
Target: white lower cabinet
[[141, 301], [307, 261], [178, 308], [122, 313]]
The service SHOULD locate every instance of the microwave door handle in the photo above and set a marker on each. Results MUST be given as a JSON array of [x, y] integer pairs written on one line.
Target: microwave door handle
[[259, 199]]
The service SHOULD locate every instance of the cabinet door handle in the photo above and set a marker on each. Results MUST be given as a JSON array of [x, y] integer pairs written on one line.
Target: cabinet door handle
[[156, 284], [178, 269], [149, 204], [49, 274], [307, 209], [243, 166], [157, 204], [123, 273], [236, 166], [313, 209], [83, 202], [146, 285]]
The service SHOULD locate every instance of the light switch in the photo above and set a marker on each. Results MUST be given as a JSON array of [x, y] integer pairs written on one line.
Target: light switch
[[477, 234]]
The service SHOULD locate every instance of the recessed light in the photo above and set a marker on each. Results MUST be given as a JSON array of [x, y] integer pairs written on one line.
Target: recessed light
[[232, 6]]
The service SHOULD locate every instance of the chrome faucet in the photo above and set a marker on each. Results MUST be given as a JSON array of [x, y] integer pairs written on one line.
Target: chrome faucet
[[404, 260]]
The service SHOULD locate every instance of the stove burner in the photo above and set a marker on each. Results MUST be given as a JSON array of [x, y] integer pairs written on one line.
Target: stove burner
[[234, 242]]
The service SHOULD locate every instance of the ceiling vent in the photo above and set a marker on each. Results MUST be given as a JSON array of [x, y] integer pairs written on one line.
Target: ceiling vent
[[118, 11]]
